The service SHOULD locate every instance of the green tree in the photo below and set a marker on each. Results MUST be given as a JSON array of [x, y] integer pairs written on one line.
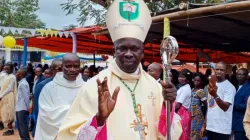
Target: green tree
[[89, 9], [20, 13], [5, 11]]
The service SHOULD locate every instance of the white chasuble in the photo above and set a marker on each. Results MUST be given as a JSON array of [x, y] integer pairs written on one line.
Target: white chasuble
[[121, 124]]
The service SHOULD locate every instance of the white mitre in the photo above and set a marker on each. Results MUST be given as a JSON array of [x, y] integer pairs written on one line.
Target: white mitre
[[128, 19]]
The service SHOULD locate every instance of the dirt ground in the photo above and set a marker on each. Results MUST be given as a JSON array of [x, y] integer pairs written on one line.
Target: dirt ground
[[13, 137]]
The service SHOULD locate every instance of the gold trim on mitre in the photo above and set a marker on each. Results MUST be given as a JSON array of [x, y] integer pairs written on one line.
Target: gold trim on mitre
[[128, 19]]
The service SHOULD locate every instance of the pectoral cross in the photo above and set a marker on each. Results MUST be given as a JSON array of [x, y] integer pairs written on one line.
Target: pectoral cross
[[139, 124], [140, 128], [153, 98]]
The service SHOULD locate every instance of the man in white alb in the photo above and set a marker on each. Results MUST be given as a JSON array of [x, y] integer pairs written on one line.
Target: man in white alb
[[57, 96]]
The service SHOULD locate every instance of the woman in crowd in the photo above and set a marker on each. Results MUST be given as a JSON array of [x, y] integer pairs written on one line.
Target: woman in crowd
[[183, 101], [198, 106], [86, 74]]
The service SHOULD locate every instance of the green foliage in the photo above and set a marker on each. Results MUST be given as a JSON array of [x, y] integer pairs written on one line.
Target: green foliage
[[89, 9], [20, 13]]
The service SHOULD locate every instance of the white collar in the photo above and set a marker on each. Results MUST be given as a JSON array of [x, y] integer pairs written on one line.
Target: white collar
[[136, 72], [60, 80]]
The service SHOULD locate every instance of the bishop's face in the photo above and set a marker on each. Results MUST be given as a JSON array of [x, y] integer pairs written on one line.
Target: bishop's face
[[128, 53]]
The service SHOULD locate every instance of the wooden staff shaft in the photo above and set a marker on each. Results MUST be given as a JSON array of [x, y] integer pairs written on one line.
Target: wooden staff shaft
[[168, 106]]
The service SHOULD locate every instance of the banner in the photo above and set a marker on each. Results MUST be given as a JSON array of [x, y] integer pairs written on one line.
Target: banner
[[34, 32]]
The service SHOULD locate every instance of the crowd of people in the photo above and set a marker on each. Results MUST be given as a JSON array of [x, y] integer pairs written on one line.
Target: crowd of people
[[124, 101], [210, 113], [21, 89], [205, 113]]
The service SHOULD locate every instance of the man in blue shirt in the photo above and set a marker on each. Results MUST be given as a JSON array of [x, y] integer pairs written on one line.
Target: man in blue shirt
[[39, 78], [240, 104]]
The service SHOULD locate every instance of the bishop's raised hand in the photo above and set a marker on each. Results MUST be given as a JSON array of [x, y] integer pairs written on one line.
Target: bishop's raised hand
[[106, 102]]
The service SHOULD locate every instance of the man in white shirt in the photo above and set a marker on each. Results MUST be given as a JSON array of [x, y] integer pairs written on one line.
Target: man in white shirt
[[57, 96], [22, 104], [220, 106], [155, 70]]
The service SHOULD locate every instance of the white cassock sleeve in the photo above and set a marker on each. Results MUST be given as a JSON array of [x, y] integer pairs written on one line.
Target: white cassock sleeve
[[50, 116]]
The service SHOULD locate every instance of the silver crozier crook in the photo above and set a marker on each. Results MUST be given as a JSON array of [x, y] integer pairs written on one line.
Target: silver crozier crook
[[169, 51]]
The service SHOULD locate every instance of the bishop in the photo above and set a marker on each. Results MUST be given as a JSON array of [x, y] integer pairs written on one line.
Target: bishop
[[106, 106]]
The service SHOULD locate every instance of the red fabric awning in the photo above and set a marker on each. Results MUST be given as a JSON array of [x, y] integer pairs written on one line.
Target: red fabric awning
[[88, 43]]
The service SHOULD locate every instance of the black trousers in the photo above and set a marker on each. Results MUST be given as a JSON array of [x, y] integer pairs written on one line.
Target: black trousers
[[217, 136], [23, 127]]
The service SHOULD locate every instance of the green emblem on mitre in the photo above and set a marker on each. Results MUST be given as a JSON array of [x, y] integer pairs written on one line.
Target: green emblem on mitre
[[129, 9]]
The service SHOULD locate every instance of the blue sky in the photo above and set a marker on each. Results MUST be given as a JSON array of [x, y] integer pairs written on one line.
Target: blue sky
[[52, 14]]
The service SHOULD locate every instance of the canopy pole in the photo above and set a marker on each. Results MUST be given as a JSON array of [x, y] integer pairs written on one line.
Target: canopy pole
[[197, 63], [74, 41], [25, 52], [7, 55], [19, 55]]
